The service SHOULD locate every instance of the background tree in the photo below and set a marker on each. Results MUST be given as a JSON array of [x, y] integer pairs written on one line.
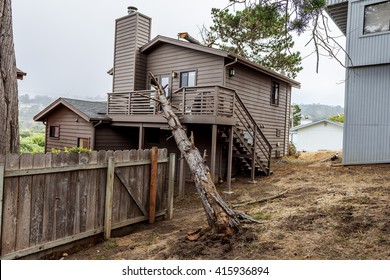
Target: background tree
[[9, 131], [261, 30], [296, 115], [337, 118]]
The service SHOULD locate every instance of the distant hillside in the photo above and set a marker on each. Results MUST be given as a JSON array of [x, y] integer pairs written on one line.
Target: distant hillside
[[29, 106], [316, 112]]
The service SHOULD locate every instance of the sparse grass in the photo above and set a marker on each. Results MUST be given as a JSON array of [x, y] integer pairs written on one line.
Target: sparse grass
[[261, 215], [110, 244]]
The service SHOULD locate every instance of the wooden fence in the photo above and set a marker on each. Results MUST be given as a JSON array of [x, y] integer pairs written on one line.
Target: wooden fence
[[50, 199]]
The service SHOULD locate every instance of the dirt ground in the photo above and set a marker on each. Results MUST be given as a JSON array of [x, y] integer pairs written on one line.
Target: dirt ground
[[328, 212]]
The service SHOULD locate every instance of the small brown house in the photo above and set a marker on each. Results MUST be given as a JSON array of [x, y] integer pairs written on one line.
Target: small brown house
[[237, 110]]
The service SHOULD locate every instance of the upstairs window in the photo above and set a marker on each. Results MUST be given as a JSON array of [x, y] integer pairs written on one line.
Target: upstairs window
[[54, 131], [188, 79], [275, 93], [376, 18]]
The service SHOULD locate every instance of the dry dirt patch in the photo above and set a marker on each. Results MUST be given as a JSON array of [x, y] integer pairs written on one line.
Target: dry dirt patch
[[329, 212]]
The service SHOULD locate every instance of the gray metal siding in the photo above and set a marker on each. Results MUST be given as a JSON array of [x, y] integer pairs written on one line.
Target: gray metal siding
[[367, 116], [131, 33], [254, 89], [167, 58], [368, 49]]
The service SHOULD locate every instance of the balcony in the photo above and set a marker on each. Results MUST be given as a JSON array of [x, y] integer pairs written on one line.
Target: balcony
[[204, 105]]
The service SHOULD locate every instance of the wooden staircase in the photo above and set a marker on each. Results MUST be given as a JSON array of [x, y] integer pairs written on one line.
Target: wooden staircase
[[251, 149]]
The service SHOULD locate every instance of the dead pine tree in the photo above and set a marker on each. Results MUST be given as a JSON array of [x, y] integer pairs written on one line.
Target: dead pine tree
[[221, 219]]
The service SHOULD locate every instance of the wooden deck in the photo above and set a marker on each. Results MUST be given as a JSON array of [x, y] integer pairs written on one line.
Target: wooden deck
[[206, 105]]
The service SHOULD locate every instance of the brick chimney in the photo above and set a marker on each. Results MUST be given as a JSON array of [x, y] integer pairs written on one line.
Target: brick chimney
[[131, 33]]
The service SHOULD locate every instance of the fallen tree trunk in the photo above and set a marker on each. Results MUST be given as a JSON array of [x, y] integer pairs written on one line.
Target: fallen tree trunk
[[221, 219]]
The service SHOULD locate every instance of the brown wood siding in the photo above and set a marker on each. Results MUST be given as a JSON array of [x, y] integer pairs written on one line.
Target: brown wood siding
[[72, 127], [109, 137], [143, 37], [254, 88], [131, 33], [167, 58], [124, 54]]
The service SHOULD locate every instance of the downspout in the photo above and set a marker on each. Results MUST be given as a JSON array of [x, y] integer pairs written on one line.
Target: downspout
[[227, 65], [231, 63], [94, 133]]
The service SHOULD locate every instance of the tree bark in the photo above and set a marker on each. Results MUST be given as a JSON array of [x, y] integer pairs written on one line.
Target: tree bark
[[221, 219], [9, 125]]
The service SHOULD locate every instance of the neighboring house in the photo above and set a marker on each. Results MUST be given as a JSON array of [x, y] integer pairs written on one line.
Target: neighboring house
[[366, 25], [319, 135], [226, 101], [78, 123]]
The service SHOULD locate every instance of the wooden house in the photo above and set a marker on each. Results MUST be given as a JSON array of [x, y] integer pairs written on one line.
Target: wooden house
[[237, 111], [366, 25]]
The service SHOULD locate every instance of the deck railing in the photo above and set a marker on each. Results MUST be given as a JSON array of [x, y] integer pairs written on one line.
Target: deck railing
[[132, 103], [197, 101]]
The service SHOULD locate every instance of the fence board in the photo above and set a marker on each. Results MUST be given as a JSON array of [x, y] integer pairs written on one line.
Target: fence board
[[125, 196], [10, 206], [49, 202], [62, 183], [24, 204], [144, 182], [118, 188], [102, 178]]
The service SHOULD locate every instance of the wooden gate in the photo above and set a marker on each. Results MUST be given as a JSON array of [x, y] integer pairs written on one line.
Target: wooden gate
[[54, 199]]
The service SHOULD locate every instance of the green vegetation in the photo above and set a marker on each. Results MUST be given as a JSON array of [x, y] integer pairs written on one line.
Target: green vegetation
[[297, 116], [262, 31], [67, 150], [337, 118], [32, 142], [110, 244]]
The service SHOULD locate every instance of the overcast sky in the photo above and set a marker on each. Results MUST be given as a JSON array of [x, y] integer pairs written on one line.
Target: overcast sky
[[66, 46]]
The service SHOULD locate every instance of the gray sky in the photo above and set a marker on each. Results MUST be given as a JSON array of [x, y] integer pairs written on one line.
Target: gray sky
[[66, 46]]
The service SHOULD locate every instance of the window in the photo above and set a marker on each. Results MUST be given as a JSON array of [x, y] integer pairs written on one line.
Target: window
[[377, 18], [188, 79], [275, 94], [54, 131], [164, 80], [83, 143]]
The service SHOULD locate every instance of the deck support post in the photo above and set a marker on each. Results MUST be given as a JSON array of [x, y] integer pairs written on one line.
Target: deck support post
[[141, 137], [230, 162], [213, 152]]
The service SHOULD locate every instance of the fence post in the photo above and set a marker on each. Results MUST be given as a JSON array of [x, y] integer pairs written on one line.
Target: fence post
[[153, 184], [1, 198], [171, 185], [109, 197]]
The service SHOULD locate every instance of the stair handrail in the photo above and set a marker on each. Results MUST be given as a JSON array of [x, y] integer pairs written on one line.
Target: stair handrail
[[259, 133]]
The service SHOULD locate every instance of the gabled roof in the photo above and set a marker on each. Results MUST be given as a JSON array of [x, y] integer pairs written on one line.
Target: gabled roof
[[294, 129], [159, 40], [88, 110]]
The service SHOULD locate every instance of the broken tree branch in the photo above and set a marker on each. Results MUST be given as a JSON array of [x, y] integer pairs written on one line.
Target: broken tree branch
[[260, 200]]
